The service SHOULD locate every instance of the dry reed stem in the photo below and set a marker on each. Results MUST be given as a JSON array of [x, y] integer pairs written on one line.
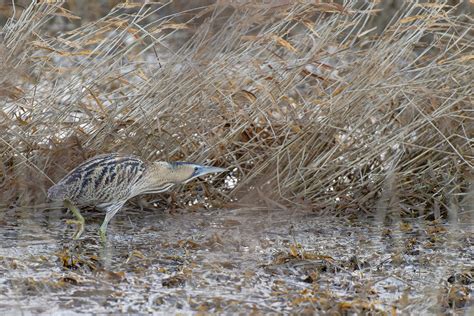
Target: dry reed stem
[[306, 101]]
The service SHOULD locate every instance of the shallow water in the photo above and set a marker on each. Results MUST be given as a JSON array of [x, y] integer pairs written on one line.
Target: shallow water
[[240, 260]]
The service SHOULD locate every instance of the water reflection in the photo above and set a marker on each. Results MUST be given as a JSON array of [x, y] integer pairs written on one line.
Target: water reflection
[[238, 260]]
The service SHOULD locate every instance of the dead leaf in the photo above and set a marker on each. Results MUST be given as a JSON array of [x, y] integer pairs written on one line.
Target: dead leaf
[[283, 43]]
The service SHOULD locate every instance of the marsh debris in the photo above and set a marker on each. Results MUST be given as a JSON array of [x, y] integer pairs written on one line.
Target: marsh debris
[[325, 264]]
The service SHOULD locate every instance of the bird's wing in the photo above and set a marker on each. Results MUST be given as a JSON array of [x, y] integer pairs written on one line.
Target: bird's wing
[[103, 178]]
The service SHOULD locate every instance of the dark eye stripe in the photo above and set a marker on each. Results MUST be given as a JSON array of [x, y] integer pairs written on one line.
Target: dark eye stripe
[[180, 163]]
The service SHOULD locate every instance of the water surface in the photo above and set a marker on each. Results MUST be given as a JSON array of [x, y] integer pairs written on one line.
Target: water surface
[[234, 260]]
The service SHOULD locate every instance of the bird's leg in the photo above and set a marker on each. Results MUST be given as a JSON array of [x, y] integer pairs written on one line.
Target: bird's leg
[[103, 227], [111, 211], [80, 220]]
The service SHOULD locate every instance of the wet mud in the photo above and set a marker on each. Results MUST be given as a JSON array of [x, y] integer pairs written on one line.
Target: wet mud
[[233, 260]]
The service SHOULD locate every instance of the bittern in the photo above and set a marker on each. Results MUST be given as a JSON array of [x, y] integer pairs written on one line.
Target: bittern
[[108, 181]]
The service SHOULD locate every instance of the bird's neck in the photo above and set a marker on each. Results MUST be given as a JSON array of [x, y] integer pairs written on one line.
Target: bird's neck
[[157, 179]]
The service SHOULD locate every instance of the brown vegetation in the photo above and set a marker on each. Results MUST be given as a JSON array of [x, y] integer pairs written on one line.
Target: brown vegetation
[[306, 101]]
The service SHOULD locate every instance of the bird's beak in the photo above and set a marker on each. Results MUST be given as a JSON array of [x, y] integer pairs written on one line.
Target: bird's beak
[[206, 170]]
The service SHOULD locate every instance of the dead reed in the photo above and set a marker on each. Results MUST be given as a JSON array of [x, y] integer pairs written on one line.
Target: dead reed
[[306, 101]]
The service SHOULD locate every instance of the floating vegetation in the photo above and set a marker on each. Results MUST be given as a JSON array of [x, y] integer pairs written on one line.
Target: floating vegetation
[[229, 261]]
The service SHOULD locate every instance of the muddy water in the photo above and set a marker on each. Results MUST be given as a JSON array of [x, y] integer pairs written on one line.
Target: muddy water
[[226, 261]]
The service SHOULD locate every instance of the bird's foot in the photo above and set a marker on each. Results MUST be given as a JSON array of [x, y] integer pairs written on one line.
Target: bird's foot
[[80, 227]]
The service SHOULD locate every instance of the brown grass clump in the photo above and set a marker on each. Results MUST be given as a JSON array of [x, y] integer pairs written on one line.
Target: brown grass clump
[[306, 101]]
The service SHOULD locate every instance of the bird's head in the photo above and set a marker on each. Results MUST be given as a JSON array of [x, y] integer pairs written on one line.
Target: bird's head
[[189, 171], [183, 172]]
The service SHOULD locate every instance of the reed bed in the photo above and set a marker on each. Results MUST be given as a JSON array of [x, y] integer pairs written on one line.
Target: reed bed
[[308, 104]]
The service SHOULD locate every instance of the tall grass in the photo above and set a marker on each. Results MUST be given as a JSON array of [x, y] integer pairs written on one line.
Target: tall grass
[[306, 101]]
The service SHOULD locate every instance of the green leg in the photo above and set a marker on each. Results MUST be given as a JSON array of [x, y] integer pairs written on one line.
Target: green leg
[[80, 220], [103, 231], [111, 211]]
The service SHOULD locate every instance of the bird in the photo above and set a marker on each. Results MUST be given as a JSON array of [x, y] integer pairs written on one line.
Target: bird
[[107, 181]]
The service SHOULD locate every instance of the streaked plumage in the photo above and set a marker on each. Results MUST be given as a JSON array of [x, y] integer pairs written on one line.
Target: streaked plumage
[[100, 181], [108, 181]]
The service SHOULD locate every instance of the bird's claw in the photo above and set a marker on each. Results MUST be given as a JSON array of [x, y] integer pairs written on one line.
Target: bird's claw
[[80, 227]]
